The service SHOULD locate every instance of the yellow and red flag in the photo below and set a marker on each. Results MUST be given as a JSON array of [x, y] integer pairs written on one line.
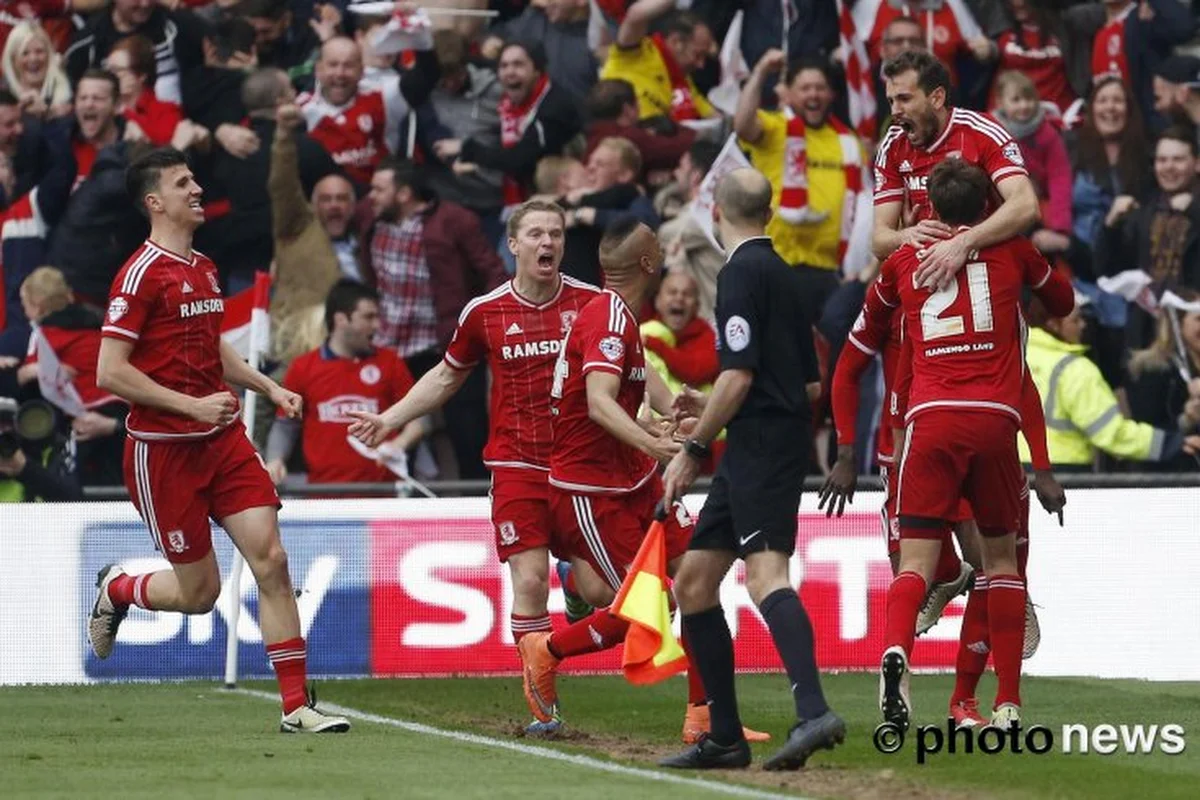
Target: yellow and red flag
[[652, 653]]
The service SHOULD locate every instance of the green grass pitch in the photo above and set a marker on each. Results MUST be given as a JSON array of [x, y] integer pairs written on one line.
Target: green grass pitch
[[200, 740]]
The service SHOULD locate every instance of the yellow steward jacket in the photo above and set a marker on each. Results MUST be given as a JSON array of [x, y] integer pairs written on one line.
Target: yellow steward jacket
[[1082, 414]]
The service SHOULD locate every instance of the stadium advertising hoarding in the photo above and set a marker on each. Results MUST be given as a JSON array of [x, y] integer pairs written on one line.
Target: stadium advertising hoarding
[[411, 587]]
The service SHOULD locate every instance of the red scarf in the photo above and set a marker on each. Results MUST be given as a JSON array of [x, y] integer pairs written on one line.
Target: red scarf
[[793, 199], [514, 120], [682, 105]]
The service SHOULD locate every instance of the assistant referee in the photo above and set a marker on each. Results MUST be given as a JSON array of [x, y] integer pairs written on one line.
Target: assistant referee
[[762, 397]]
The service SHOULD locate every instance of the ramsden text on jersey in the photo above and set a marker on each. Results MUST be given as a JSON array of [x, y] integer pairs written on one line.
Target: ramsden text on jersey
[[527, 349], [214, 305]]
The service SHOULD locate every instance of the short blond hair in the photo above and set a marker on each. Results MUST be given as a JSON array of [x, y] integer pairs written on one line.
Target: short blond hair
[[1018, 81], [550, 171], [529, 207], [48, 287], [631, 157]]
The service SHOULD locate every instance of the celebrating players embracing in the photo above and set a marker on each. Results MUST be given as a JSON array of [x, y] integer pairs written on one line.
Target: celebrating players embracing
[[187, 457], [963, 415]]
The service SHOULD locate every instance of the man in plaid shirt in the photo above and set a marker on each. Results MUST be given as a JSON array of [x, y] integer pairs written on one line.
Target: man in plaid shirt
[[427, 258]]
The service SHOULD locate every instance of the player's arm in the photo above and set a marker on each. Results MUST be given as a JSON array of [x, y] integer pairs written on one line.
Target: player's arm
[[239, 373], [636, 25], [1033, 427], [428, 394], [1051, 286], [115, 374], [603, 387], [727, 396], [658, 394], [887, 236]]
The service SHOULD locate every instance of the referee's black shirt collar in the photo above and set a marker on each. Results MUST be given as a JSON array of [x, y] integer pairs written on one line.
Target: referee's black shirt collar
[[744, 242]]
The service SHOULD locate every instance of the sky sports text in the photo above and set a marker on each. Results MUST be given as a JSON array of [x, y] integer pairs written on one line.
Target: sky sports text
[[1075, 738]]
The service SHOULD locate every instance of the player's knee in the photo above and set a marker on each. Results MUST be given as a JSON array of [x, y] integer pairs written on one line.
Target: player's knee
[[273, 568], [598, 595], [692, 594]]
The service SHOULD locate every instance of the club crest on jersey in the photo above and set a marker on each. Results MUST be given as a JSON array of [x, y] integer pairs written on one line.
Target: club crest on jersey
[[370, 374], [212, 281], [118, 308], [1012, 151], [365, 124], [508, 533], [176, 541], [566, 320], [612, 347]]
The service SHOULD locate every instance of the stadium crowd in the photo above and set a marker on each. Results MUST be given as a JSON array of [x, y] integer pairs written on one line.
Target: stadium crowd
[[367, 162]]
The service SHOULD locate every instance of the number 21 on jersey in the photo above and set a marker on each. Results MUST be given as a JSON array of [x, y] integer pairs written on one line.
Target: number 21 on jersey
[[936, 326]]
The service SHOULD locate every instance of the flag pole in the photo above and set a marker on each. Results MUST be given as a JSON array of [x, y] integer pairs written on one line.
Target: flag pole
[[259, 335]]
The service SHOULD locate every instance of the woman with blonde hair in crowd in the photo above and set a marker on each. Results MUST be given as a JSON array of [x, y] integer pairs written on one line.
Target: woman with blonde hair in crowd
[[1163, 387], [33, 72]]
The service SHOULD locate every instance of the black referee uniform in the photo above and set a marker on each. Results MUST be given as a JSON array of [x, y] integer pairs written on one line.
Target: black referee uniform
[[762, 327]]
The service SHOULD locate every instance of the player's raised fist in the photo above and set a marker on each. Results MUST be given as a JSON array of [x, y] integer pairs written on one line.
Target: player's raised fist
[[219, 408], [370, 429]]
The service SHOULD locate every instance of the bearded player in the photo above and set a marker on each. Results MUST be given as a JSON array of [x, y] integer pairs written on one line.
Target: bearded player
[[963, 415], [518, 329], [187, 458], [604, 481]]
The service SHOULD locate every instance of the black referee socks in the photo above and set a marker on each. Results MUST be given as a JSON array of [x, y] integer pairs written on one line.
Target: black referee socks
[[793, 635], [712, 648]]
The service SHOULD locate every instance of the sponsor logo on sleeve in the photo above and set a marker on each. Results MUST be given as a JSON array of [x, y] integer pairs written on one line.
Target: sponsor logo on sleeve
[[612, 347], [118, 308], [737, 333]]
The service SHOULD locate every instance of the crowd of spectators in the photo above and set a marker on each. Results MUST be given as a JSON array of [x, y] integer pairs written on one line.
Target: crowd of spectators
[[333, 157]]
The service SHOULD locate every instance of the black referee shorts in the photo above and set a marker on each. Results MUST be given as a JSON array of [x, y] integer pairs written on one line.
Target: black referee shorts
[[755, 493]]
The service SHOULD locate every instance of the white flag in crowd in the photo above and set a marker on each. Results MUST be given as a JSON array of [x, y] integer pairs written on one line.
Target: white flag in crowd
[[402, 32], [53, 379], [733, 69], [1134, 286], [730, 158]]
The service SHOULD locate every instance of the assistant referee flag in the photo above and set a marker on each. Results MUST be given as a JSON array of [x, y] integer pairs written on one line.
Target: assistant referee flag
[[652, 653]]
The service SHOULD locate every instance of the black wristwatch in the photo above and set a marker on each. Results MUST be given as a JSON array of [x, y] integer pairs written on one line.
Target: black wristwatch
[[696, 450]]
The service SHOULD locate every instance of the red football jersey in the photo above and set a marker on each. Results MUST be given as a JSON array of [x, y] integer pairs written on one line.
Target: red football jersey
[[1041, 58], [586, 458], [902, 170], [948, 25], [968, 340], [355, 135], [79, 349], [170, 307], [1108, 49], [521, 342], [331, 386]]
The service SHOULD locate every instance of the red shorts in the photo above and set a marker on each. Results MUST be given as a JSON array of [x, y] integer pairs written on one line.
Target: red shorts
[[954, 456], [891, 519], [520, 511], [177, 486], [607, 530]]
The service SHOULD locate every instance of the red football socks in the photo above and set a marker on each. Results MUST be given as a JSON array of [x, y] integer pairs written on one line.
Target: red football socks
[[949, 565], [974, 643], [592, 634], [904, 599], [1006, 619], [289, 660], [521, 625], [130, 590]]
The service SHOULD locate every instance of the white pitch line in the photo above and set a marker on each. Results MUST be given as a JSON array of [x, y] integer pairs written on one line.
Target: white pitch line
[[550, 754]]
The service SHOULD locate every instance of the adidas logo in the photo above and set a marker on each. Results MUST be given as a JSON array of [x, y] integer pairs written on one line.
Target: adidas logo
[[187, 288], [513, 330], [905, 166], [596, 637], [978, 647]]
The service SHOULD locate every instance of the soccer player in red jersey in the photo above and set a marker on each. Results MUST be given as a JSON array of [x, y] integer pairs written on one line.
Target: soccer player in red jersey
[[963, 415], [346, 373], [604, 481], [924, 132], [187, 457], [518, 328]]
